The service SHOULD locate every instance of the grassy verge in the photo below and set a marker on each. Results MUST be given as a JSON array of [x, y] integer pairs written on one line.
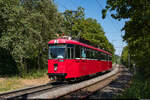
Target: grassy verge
[[9, 84], [140, 89], [35, 77], [36, 73]]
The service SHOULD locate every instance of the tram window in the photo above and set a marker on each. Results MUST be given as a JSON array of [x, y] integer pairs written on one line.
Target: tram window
[[96, 55], [70, 51], [57, 51], [77, 51], [107, 57], [92, 54], [99, 55], [83, 52], [110, 58], [88, 53], [102, 56], [70, 45]]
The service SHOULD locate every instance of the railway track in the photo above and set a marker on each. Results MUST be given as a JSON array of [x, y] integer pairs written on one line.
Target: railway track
[[84, 93], [54, 90], [32, 91]]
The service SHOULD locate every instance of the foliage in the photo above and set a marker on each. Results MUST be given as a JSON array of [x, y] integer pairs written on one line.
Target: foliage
[[86, 30], [124, 56], [118, 59], [136, 29], [29, 26], [26, 26], [72, 18]]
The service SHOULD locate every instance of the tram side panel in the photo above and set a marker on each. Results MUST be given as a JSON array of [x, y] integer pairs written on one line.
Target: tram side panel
[[88, 67], [72, 68], [77, 68]]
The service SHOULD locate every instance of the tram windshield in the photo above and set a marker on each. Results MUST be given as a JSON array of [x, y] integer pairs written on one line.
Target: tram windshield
[[57, 51]]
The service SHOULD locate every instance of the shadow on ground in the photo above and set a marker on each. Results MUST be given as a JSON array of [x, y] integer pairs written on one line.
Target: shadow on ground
[[115, 87]]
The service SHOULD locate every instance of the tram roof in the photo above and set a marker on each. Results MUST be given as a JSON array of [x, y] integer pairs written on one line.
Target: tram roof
[[66, 41]]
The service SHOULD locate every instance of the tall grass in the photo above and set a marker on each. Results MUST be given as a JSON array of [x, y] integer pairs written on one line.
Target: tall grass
[[139, 89], [14, 82], [36, 73]]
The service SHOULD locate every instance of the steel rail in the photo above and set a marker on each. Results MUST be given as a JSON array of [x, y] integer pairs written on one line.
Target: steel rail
[[119, 74], [88, 91], [62, 91], [49, 91], [22, 93], [91, 91]]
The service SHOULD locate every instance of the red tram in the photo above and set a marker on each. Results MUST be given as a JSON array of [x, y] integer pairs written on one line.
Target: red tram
[[70, 59]]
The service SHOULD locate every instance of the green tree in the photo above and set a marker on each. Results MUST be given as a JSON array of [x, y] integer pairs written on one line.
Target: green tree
[[124, 56], [136, 29], [72, 18], [87, 30], [30, 25]]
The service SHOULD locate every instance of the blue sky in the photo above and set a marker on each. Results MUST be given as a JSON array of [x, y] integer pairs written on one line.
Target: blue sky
[[112, 27]]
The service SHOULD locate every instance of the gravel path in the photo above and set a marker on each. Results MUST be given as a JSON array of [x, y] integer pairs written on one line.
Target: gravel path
[[115, 87]]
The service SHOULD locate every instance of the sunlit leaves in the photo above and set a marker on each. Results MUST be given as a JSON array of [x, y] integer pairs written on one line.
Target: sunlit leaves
[[137, 29], [88, 29], [26, 27]]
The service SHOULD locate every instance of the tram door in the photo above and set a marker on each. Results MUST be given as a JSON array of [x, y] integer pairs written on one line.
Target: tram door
[[70, 55], [70, 51]]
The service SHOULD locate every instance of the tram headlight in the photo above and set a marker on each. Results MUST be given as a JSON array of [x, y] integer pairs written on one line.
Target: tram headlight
[[55, 68]]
